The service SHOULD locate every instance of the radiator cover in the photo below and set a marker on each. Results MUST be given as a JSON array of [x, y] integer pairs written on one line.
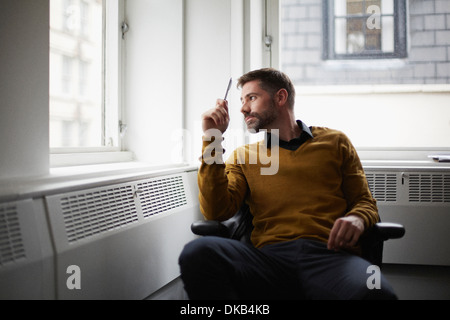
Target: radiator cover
[[125, 238], [420, 200]]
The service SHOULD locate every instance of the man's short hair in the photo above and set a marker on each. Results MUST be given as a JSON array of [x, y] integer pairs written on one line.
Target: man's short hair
[[270, 80]]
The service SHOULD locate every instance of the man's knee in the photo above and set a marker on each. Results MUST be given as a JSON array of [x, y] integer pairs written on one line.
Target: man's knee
[[198, 252], [191, 252], [206, 268]]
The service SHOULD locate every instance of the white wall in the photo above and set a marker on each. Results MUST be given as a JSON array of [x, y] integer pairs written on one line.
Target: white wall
[[414, 119], [24, 65], [153, 77], [179, 56], [223, 39], [182, 53], [208, 64]]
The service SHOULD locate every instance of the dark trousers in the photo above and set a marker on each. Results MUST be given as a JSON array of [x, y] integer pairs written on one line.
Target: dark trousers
[[218, 268]]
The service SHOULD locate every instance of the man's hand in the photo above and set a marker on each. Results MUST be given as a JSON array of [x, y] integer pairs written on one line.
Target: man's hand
[[216, 118], [345, 232]]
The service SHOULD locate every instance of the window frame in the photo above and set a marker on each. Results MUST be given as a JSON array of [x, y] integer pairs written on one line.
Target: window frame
[[400, 35]]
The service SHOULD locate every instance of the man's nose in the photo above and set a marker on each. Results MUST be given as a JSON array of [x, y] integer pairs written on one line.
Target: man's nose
[[245, 109]]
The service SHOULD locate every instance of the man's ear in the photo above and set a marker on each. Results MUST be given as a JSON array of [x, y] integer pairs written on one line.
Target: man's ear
[[281, 97]]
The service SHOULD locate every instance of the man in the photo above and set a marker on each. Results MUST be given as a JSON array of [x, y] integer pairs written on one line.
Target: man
[[308, 215]]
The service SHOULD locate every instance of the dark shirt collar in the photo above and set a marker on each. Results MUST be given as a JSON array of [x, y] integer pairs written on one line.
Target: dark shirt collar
[[305, 128], [295, 143]]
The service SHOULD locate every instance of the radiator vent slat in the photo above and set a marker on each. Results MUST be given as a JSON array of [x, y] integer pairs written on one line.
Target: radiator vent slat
[[11, 242], [158, 196], [101, 210], [383, 186], [425, 187]]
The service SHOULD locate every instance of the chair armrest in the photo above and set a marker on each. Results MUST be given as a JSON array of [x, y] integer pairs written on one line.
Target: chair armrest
[[210, 228], [238, 227], [372, 241], [381, 231], [387, 230]]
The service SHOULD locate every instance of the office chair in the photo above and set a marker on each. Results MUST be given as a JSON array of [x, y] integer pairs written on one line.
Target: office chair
[[239, 227]]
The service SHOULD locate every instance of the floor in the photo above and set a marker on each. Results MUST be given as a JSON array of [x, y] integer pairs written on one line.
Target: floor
[[411, 282], [414, 282]]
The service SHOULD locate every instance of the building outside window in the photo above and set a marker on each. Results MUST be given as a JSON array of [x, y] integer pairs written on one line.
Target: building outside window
[[76, 73], [346, 42], [377, 69]]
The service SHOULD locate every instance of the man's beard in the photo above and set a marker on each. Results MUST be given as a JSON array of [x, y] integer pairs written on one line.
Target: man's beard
[[262, 120]]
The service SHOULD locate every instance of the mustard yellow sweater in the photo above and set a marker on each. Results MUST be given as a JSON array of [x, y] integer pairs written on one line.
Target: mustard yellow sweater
[[314, 185]]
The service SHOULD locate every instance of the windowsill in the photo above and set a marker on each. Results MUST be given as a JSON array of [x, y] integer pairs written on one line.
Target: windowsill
[[66, 179], [89, 158], [405, 165], [402, 158]]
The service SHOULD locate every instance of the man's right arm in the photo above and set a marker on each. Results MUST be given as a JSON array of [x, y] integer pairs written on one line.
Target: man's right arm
[[222, 188]]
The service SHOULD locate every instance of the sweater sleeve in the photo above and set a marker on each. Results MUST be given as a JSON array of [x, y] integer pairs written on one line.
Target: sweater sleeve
[[355, 187], [222, 187]]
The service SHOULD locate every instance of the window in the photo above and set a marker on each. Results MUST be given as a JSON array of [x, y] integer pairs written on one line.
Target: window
[[361, 29], [382, 93], [83, 60]]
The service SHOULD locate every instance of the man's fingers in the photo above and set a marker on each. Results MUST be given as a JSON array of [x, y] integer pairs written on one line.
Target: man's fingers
[[354, 240], [217, 117], [222, 103], [222, 115], [222, 108], [344, 234], [330, 243]]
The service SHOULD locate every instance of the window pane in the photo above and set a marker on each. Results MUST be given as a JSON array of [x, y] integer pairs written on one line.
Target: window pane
[[340, 39], [340, 8], [355, 35], [373, 39], [387, 6], [371, 5], [76, 73], [354, 7], [387, 25]]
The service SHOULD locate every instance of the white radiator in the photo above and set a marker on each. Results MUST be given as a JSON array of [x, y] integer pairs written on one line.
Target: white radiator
[[123, 240], [420, 200], [26, 253]]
